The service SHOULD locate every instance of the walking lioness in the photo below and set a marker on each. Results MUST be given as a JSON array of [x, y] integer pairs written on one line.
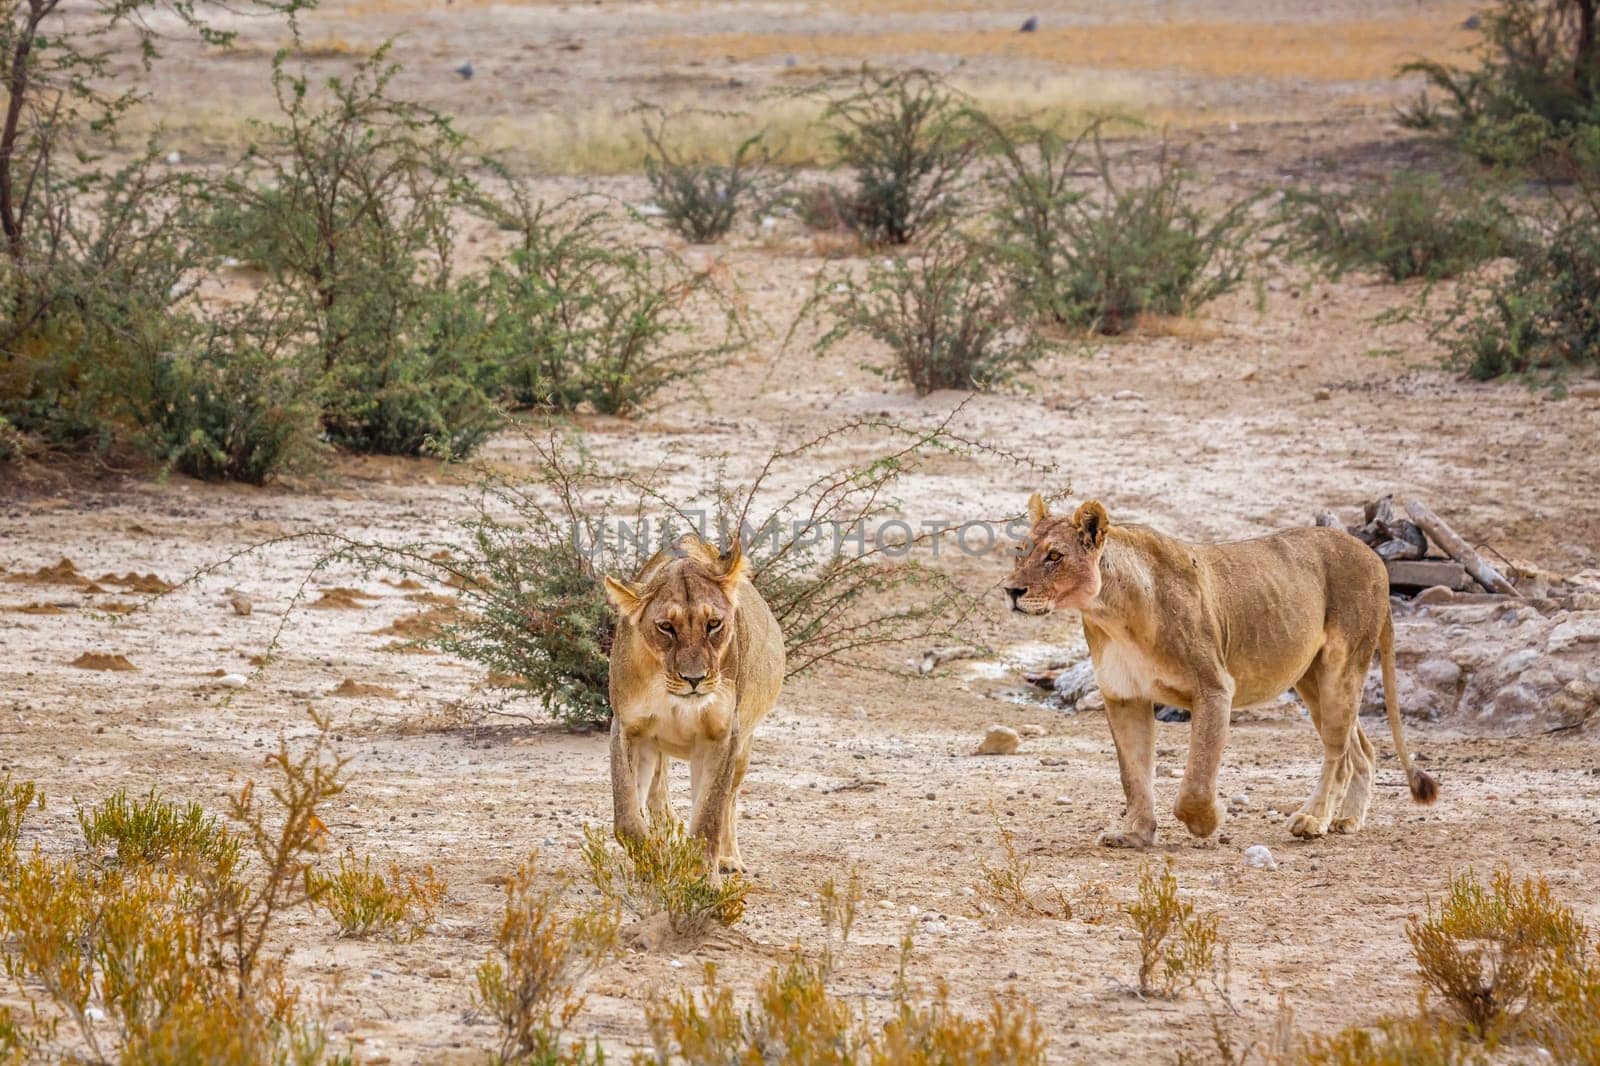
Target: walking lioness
[[697, 662], [1214, 626]]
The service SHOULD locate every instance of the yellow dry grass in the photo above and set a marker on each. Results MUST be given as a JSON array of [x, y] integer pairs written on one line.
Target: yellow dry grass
[[1327, 51]]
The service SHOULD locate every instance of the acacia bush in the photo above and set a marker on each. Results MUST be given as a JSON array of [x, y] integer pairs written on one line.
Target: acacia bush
[[946, 313], [582, 318], [907, 138], [1542, 317], [701, 199], [1530, 95], [1409, 224], [348, 204], [1097, 258]]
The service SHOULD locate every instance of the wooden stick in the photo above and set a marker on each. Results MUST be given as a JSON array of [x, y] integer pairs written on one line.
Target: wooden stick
[[1459, 550]]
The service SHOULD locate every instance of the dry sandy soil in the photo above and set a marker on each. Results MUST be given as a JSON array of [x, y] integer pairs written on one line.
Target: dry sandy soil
[[1240, 422]]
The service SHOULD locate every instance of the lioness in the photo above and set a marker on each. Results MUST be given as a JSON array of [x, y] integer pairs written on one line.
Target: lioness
[[1214, 626], [697, 662]]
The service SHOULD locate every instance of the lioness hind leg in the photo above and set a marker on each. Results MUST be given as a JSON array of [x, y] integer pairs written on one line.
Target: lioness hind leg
[[1358, 796], [1332, 700]]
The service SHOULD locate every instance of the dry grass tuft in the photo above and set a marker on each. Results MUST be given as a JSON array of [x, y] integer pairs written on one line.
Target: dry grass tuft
[[1174, 942], [1005, 887], [665, 872], [364, 903]]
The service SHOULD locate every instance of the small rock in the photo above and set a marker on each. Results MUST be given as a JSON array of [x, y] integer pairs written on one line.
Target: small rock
[[1237, 803], [1000, 740], [1075, 682], [1063, 801], [930, 795], [1030, 730], [1258, 857], [174, 158], [1126, 394], [1171, 714], [1030, 24], [233, 681], [241, 604], [1439, 673], [1322, 394], [1092, 702]]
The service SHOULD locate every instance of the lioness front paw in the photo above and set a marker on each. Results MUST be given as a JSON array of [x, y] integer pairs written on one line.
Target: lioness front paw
[[730, 865], [1345, 825], [1202, 816], [1122, 838], [1306, 827]]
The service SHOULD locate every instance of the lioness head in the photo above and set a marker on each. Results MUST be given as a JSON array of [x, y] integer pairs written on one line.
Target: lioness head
[[683, 612], [1059, 565]]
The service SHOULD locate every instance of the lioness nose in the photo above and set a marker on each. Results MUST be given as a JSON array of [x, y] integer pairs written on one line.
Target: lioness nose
[[693, 680], [1015, 594]]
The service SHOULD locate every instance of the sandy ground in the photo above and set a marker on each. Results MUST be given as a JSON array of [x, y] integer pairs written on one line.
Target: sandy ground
[[1248, 419]]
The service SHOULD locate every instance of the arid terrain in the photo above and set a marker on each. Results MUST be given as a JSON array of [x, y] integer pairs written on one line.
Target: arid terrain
[[1273, 404]]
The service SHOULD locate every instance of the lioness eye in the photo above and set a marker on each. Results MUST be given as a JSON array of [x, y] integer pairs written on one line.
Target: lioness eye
[[665, 627], [1053, 557], [713, 625]]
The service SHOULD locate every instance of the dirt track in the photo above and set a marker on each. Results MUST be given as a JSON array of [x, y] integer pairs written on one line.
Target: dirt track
[[1242, 421]]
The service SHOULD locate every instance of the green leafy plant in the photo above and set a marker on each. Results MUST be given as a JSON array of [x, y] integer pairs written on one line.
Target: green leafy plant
[[946, 313], [365, 903], [701, 200], [664, 872], [907, 137], [1407, 225], [151, 831], [583, 318], [348, 203], [1130, 244]]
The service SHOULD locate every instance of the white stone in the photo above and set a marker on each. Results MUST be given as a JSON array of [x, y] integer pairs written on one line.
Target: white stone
[[233, 681], [1258, 857], [1000, 740]]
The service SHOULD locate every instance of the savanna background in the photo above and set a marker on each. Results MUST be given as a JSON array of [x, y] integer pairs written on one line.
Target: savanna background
[[323, 327]]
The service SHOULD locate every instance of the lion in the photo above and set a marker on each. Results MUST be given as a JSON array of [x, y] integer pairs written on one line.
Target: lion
[[697, 662], [1211, 627]]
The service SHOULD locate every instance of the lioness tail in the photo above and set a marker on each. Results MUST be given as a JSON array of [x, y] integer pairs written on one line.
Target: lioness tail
[[1424, 789]]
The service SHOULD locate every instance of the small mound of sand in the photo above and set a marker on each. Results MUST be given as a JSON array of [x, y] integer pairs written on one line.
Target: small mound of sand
[[421, 625], [64, 572], [136, 582], [36, 608], [91, 660], [350, 687], [342, 599]]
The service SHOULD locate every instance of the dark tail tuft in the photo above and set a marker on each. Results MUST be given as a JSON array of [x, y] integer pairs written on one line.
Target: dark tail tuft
[[1424, 789]]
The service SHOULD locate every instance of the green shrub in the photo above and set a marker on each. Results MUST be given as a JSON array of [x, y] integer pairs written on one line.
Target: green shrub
[[1530, 97], [946, 314], [1096, 259], [364, 903], [234, 402], [152, 831], [347, 203], [701, 199], [1407, 225], [583, 318], [1543, 316], [907, 137]]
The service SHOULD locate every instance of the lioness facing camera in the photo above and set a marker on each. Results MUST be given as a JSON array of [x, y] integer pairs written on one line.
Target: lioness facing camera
[[1214, 626], [696, 663]]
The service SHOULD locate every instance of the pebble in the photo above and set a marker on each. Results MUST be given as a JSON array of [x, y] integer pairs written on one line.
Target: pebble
[[241, 604], [1126, 394], [1000, 740], [1258, 857], [1322, 394], [1063, 801], [233, 681], [1238, 803]]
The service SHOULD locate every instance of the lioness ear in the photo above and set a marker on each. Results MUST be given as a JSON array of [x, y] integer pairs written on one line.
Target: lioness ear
[[623, 596], [1091, 521], [1037, 510], [732, 567]]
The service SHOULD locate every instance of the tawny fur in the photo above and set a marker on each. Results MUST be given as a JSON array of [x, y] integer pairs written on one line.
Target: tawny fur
[[1211, 627], [666, 632]]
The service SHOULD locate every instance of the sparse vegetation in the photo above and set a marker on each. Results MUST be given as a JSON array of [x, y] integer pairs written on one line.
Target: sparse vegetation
[[907, 137], [162, 954], [1530, 97], [1005, 887], [1490, 952], [664, 872], [1407, 225], [529, 982], [701, 199], [1133, 243], [1175, 943], [366, 903], [945, 312]]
